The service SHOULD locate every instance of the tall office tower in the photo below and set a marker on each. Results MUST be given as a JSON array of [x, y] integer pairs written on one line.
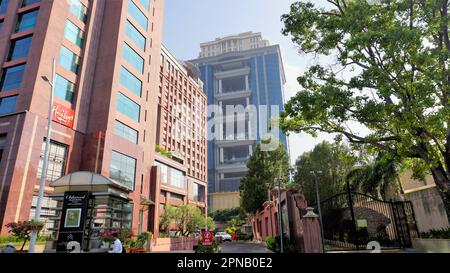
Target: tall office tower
[[181, 171], [106, 95], [242, 70]]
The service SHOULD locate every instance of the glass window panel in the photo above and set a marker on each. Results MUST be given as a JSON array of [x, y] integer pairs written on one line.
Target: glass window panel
[[27, 21], [8, 105], [133, 58], [29, 2], [3, 6], [64, 89], [145, 4], [128, 107], [19, 48], [73, 33], [78, 9], [130, 81], [126, 132], [12, 77], [69, 60], [122, 169], [57, 161], [137, 14], [134, 35]]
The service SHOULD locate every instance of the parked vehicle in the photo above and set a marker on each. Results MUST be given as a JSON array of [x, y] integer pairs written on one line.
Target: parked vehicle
[[224, 237]]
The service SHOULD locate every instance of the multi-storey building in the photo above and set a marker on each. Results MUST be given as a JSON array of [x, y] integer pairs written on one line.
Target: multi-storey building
[[240, 42], [106, 95], [181, 171], [246, 76]]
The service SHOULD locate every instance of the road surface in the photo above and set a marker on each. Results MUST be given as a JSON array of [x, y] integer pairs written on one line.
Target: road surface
[[244, 247]]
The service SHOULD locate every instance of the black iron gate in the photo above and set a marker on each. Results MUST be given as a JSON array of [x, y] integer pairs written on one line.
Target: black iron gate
[[351, 220]]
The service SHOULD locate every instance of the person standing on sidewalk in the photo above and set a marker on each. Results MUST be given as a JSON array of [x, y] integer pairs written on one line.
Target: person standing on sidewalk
[[117, 248]]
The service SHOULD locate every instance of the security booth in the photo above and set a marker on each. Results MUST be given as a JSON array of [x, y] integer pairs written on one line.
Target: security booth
[[89, 204]]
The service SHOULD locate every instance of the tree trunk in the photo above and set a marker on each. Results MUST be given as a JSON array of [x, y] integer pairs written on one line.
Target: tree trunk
[[24, 242], [443, 184]]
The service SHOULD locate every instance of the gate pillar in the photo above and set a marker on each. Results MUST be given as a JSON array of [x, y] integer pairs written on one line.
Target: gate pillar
[[312, 238]]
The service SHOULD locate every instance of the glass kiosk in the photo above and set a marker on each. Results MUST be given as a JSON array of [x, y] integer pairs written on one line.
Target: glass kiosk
[[108, 208]]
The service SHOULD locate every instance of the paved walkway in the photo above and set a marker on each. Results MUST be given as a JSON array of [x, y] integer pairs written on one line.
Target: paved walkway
[[244, 247]]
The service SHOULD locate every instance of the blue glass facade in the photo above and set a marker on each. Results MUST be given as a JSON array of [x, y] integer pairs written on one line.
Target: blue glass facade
[[265, 80]]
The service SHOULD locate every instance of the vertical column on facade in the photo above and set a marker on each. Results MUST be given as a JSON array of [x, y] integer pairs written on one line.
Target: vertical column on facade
[[220, 86], [247, 85]]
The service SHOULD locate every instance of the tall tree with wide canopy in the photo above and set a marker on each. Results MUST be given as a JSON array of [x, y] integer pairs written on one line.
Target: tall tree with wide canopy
[[333, 160], [392, 75], [263, 168]]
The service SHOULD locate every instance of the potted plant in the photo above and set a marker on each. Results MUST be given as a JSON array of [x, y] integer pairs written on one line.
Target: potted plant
[[23, 230], [138, 245]]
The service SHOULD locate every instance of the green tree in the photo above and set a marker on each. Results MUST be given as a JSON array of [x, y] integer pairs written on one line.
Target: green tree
[[264, 167], [167, 218], [379, 177], [392, 76], [333, 160]]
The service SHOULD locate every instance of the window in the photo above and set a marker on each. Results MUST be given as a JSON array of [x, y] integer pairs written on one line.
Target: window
[[133, 58], [163, 172], [1, 25], [3, 6], [130, 81], [8, 105], [12, 77], [64, 89], [135, 35], [145, 4], [2, 145], [57, 161], [123, 169], [68, 59], [126, 132], [73, 33], [78, 9], [26, 21], [29, 2], [177, 179], [128, 107], [19, 48], [137, 14]]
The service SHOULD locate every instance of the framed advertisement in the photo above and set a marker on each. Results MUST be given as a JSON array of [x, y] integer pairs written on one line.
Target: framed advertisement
[[73, 218]]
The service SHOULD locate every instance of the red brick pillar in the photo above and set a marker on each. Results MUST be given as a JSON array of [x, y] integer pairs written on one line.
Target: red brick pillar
[[312, 238]]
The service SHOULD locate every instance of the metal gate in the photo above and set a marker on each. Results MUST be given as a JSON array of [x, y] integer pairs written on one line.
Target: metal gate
[[351, 220]]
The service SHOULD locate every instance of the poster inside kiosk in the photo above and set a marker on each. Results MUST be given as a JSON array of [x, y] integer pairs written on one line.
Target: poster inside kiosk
[[73, 221]]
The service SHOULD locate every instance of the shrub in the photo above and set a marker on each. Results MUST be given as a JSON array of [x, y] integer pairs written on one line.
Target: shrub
[[271, 243], [200, 248], [436, 234]]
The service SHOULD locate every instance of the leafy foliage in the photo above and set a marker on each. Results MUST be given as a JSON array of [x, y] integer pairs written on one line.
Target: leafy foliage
[[436, 234], [226, 215], [187, 219], [379, 177], [334, 161], [163, 151], [264, 167], [391, 76]]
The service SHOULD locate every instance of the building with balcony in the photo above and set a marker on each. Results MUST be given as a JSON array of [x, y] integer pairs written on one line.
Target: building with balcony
[[237, 78], [180, 170], [106, 96]]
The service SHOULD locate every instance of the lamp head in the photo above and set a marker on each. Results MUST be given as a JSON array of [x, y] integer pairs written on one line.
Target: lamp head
[[45, 78]]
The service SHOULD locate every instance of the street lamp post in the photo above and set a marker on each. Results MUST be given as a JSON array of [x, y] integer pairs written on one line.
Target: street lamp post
[[37, 215], [319, 207]]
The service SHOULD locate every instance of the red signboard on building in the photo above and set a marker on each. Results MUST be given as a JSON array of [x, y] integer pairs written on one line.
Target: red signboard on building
[[207, 238], [63, 115]]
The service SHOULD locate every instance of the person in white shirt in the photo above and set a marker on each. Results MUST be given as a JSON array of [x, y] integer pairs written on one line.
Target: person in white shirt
[[117, 248]]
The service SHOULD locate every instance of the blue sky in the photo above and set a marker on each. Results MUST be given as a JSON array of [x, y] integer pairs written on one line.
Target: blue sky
[[190, 22]]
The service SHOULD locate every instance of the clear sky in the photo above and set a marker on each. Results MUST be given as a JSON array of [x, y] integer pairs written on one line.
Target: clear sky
[[190, 22]]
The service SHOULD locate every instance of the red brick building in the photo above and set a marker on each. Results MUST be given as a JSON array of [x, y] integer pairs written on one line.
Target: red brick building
[[106, 96], [181, 131]]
